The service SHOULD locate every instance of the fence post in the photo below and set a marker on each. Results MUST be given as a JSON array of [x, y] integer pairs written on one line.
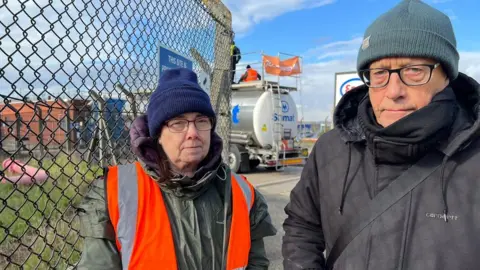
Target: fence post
[[39, 113], [18, 126], [131, 99], [221, 73], [92, 145], [67, 129], [201, 61], [106, 132]]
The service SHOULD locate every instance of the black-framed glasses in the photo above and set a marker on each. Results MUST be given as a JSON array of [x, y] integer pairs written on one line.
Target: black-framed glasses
[[181, 125], [411, 75]]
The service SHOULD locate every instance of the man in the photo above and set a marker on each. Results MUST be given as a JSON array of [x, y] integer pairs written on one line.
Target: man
[[395, 184], [235, 58], [250, 75]]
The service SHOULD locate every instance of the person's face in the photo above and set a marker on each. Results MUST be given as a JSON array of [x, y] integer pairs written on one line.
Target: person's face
[[185, 143], [396, 99]]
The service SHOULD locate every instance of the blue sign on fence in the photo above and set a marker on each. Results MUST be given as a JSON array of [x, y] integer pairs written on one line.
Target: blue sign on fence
[[170, 59]]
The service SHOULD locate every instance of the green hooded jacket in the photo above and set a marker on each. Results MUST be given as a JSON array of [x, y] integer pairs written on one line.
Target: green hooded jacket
[[195, 207]]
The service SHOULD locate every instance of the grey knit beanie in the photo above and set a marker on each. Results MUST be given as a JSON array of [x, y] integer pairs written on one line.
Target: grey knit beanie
[[411, 29]]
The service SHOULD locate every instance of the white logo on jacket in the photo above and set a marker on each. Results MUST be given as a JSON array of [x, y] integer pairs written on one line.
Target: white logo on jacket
[[441, 216]]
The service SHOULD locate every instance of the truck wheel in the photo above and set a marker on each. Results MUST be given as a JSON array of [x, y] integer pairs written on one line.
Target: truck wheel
[[238, 161], [254, 163], [234, 158], [244, 163]]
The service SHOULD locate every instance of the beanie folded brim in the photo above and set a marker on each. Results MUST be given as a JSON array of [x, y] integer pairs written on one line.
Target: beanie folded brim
[[410, 43]]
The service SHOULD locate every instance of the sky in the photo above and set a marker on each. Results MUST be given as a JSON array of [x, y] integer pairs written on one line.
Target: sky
[[328, 33], [74, 47]]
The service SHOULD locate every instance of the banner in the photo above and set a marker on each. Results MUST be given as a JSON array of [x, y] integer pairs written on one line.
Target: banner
[[287, 67]]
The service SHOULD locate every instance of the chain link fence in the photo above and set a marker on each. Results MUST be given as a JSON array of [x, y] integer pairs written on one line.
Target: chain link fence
[[73, 76]]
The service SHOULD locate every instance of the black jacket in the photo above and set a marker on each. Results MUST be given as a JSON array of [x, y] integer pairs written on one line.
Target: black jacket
[[344, 172]]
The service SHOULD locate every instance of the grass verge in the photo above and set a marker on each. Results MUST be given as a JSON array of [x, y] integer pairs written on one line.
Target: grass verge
[[39, 228]]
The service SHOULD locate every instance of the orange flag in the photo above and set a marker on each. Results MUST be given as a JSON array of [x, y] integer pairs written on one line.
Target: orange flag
[[287, 67]]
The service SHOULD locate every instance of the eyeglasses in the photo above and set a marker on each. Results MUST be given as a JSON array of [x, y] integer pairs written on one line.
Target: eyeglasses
[[412, 75], [181, 125]]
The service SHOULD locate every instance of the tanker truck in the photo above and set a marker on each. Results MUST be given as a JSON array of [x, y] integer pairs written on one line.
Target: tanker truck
[[264, 127]]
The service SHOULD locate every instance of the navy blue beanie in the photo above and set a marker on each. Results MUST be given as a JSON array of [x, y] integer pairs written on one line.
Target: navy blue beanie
[[178, 92]]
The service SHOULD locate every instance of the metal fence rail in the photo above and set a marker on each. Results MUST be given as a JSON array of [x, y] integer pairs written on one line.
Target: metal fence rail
[[73, 76]]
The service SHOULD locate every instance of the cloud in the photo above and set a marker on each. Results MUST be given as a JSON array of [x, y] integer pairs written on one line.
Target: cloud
[[450, 14], [344, 48], [318, 87], [470, 64], [321, 64], [319, 74], [247, 13]]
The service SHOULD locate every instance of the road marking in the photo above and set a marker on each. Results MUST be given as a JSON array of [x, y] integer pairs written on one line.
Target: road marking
[[276, 182]]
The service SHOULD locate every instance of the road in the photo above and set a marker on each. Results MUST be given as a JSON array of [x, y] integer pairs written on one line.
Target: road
[[276, 187]]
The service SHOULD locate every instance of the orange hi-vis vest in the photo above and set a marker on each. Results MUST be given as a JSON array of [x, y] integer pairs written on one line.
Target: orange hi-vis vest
[[252, 75], [142, 227]]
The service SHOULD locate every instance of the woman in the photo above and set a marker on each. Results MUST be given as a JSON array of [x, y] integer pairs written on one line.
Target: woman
[[171, 210]]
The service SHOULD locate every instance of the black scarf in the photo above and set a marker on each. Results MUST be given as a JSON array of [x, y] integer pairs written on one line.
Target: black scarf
[[408, 139]]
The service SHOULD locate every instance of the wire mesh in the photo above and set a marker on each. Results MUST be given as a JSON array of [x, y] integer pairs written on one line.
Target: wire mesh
[[73, 76]]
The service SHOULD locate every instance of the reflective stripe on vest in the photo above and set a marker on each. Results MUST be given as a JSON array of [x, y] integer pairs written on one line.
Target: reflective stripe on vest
[[141, 223], [251, 75]]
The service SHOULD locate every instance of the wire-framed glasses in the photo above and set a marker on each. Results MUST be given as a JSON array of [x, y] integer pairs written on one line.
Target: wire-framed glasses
[[181, 125]]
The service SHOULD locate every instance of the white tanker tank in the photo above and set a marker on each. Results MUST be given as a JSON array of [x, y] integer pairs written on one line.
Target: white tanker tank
[[253, 113], [264, 127]]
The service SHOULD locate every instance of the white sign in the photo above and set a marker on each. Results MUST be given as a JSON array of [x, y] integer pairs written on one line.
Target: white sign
[[345, 82], [204, 81]]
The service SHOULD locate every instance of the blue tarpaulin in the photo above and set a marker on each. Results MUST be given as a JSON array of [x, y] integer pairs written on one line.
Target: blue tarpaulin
[[113, 118]]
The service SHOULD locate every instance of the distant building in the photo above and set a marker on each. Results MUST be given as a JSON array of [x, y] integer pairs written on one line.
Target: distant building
[[33, 121], [310, 128]]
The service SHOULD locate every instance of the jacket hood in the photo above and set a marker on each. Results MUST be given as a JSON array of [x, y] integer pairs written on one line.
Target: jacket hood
[[147, 151], [467, 92], [463, 131]]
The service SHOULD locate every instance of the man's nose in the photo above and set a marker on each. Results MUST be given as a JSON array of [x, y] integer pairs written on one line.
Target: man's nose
[[395, 87]]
